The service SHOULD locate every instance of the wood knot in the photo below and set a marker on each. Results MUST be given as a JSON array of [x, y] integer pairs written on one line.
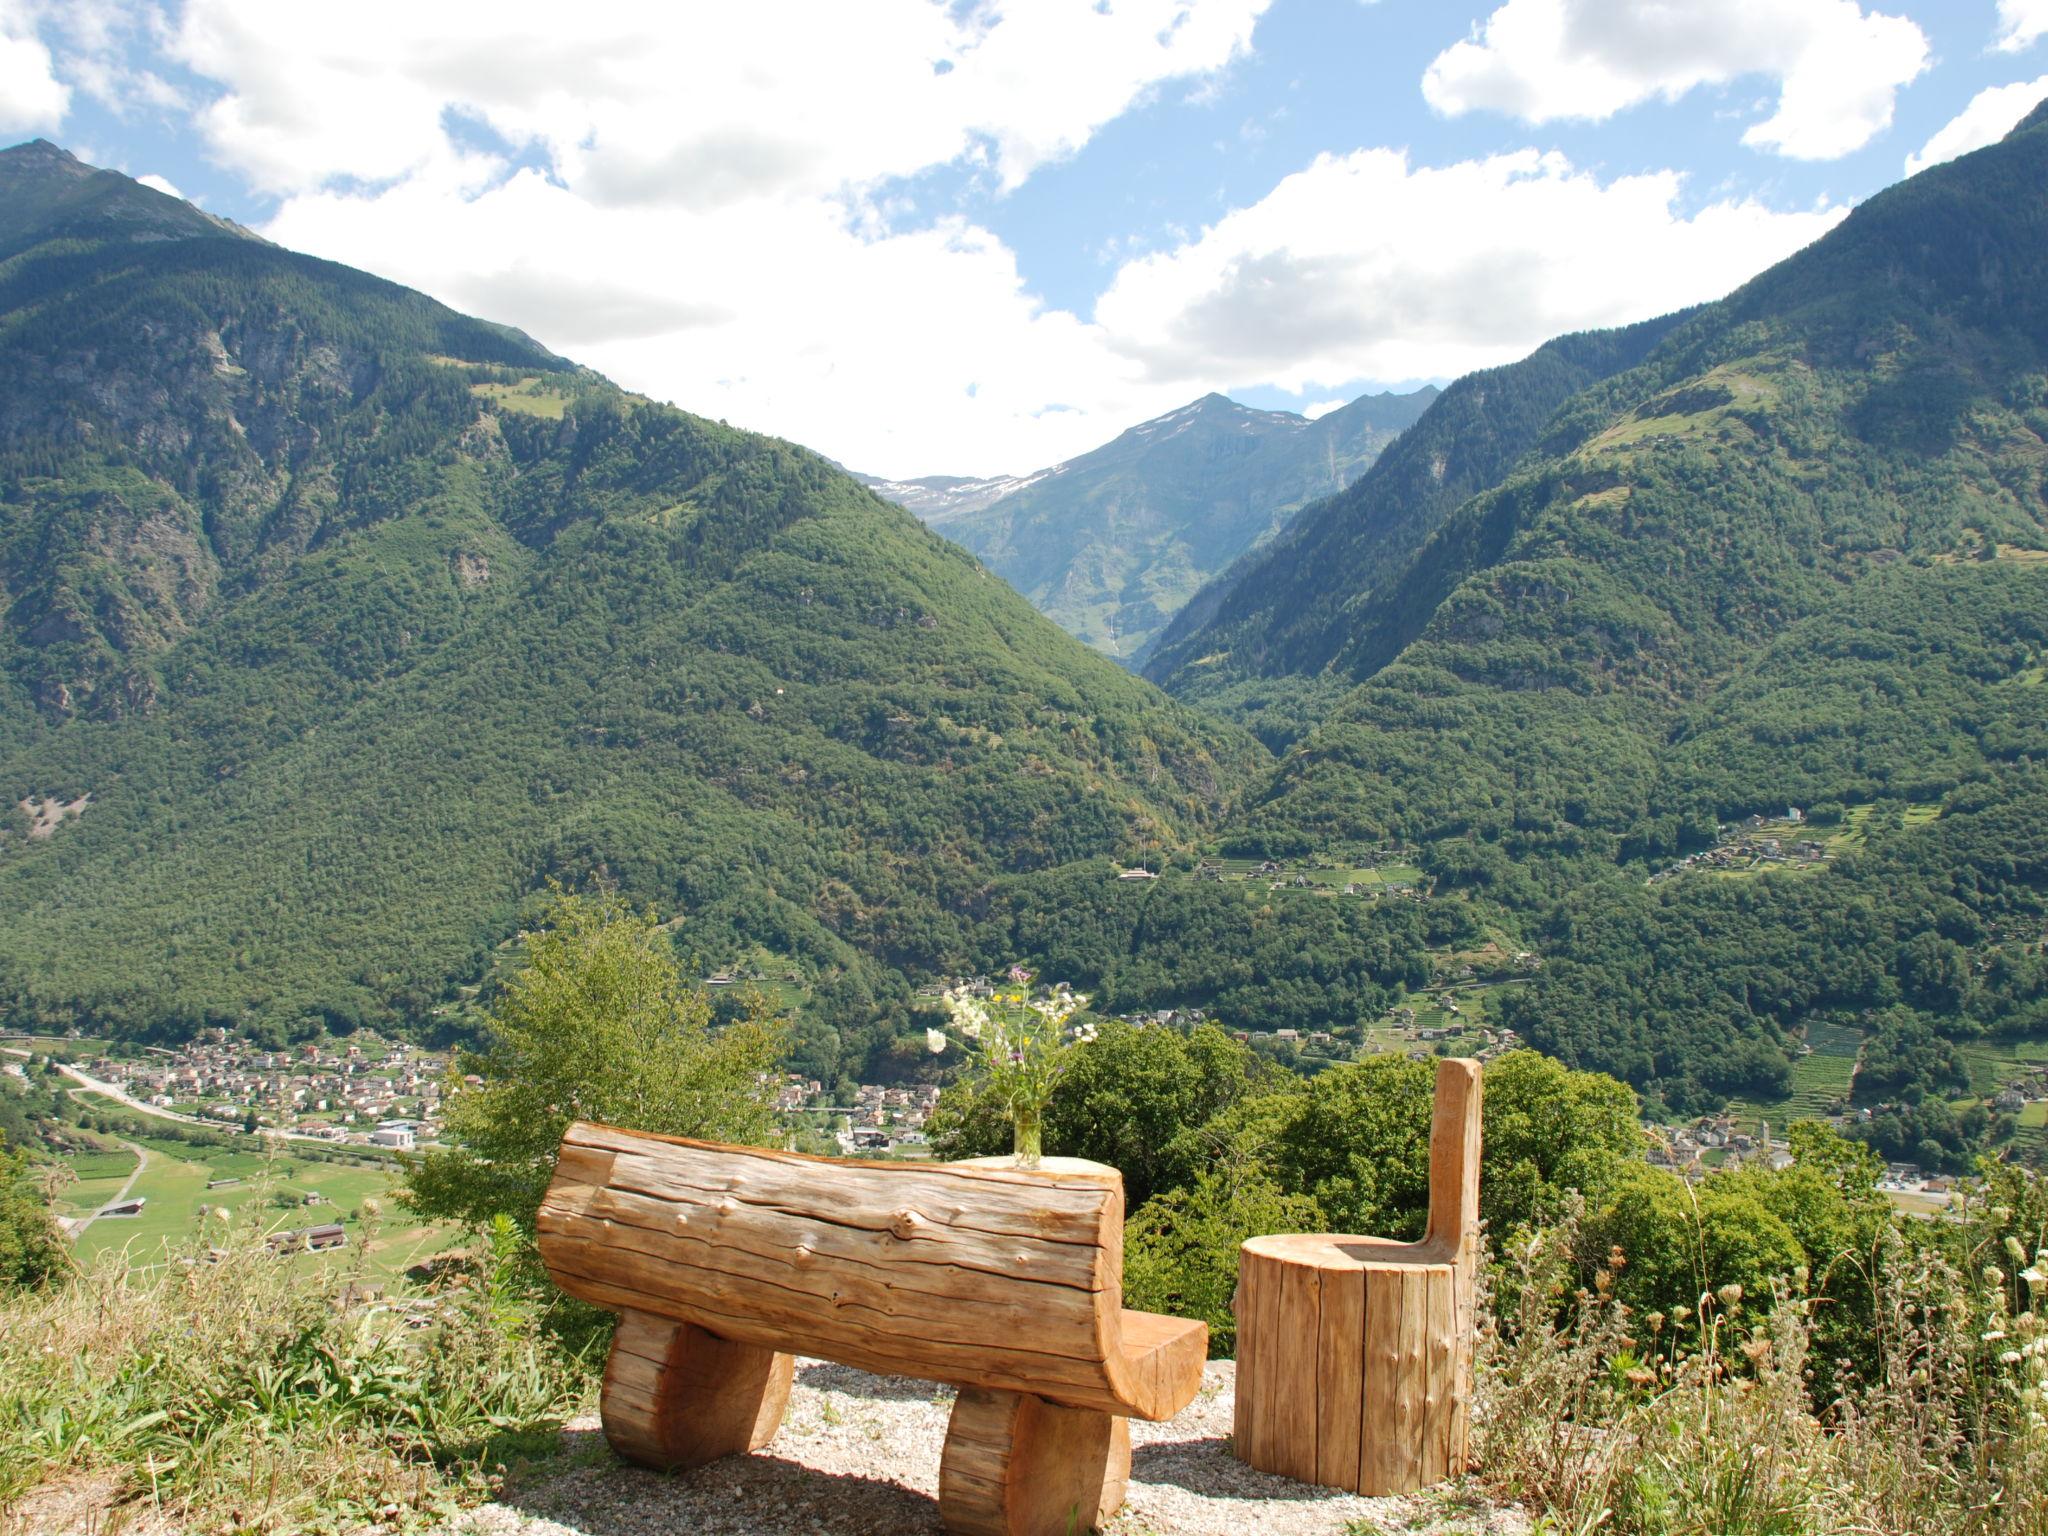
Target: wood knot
[[907, 1223]]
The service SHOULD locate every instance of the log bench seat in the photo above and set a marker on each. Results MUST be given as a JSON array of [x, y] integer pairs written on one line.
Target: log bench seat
[[725, 1262]]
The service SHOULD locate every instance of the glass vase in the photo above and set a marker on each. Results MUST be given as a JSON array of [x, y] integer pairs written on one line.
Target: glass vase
[[1027, 1129]]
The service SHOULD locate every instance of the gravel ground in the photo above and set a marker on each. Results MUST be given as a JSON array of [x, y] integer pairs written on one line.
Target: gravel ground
[[858, 1455]]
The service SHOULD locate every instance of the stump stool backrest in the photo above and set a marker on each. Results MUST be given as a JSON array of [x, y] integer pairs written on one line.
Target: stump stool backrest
[[1354, 1364]]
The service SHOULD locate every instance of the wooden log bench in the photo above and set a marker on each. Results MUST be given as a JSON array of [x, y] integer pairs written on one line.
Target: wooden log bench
[[725, 1262], [1354, 1354]]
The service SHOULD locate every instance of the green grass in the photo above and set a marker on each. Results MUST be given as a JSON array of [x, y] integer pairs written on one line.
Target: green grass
[[1994, 1063], [174, 1187], [1817, 1082], [100, 1177], [1822, 1078], [115, 1165], [529, 397]]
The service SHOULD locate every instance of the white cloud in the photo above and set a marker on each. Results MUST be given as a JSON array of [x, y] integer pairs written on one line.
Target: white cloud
[[1991, 115], [1364, 266], [714, 219], [161, 184], [31, 95], [2020, 22], [1316, 410], [709, 216], [1838, 68], [697, 105]]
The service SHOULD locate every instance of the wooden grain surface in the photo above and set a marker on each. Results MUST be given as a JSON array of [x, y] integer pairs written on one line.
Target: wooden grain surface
[[979, 1275], [1354, 1353], [1017, 1465]]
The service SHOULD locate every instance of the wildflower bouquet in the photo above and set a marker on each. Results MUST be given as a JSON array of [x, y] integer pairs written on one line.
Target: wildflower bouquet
[[1022, 1043]]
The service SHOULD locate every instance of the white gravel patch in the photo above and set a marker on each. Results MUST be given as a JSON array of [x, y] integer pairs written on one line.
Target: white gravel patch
[[858, 1455]]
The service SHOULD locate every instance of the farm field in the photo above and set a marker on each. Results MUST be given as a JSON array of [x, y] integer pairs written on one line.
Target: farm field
[[1993, 1063], [272, 1190], [98, 1177], [1369, 878], [1825, 1076]]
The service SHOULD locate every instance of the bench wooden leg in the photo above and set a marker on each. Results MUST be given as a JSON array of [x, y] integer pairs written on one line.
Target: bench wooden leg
[[1017, 1465], [676, 1396]]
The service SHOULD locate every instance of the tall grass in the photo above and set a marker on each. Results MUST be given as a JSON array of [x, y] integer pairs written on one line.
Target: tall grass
[[1722, 1424], [234, 1391]]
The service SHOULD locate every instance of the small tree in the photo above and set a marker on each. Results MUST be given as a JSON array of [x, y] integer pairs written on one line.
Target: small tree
[[597, 1025], [32, 1251]]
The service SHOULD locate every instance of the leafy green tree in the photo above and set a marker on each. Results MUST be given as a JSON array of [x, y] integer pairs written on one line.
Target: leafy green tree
[[32, 1251], [597, 1025], [1359, 1141], [1682, 1242], [1181, 1248], [1549, 1130], [1136, 1099]]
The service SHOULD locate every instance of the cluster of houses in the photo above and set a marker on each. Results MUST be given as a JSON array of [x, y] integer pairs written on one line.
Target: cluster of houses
[[1715, 1140], [889, 1118], [1757, 843], [2028, 1087], [368, 1090]]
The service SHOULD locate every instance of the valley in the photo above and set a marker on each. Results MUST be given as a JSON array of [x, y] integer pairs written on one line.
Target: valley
[[1466, 904]]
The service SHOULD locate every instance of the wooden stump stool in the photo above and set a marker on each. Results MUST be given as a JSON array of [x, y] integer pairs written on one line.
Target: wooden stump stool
[[1354, 1354]]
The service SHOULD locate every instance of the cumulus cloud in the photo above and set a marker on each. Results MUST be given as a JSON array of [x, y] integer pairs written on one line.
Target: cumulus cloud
[[1365, 266], [31, 95], [676, 197], [2020, 22], [1837, 67], [697, 105], [160, 184], [1990, 116]]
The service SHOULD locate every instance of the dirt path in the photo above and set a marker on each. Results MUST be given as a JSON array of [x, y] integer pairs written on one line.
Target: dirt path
[[858, 1455], [79, 1224]]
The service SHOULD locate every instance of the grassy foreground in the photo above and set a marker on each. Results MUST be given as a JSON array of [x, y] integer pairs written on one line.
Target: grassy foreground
[[237, 1393]]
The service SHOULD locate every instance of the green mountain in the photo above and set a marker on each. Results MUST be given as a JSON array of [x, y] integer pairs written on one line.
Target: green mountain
[[1788, 550], [334, 623], [1112, 543], [1280, 610]]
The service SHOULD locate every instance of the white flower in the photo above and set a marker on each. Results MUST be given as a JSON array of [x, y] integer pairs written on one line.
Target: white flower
[[935, 1041]]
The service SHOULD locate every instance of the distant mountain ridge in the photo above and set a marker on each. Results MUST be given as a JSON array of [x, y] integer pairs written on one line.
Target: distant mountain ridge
[[936, 499], [1110, 544]]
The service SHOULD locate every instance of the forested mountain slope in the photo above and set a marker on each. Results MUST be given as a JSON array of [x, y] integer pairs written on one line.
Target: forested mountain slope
[[336, 622], [1280, 609], [1795, 555], [1112, 543]]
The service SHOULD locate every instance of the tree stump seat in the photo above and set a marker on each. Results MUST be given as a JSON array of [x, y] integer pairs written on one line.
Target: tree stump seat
[[726, 1262], [1354, 1358]]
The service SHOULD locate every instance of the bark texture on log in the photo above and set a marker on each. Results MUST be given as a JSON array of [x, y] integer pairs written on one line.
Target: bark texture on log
[[725, 1261], [1354, 1364], [676, 1396], [1017, 1465]]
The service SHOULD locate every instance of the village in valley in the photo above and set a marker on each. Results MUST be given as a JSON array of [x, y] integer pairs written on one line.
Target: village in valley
[[364, 1090]]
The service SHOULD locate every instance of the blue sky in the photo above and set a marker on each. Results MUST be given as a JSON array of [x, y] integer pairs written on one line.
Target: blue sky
[[977, 237]]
